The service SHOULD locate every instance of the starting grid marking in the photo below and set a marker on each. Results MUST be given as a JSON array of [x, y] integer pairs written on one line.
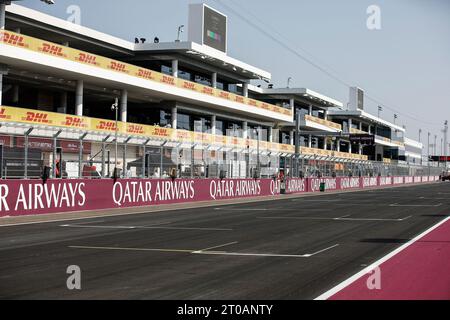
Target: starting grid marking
[[208, 252]]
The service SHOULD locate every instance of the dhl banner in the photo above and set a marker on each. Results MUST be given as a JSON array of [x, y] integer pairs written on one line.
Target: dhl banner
[[56, 50], [53, 119]]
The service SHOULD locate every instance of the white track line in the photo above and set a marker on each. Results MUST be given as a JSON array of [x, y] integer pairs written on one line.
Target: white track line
[[338, 218], [131, 249], [216, 247], [139, 227], [415, 205], [206, 252], [363, 272]]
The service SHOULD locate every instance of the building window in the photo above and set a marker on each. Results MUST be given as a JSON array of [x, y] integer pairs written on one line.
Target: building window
[[166, 70], [184, 75], [184, 122]]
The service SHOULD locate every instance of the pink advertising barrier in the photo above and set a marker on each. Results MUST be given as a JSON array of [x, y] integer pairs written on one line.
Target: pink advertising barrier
[[22, 197]]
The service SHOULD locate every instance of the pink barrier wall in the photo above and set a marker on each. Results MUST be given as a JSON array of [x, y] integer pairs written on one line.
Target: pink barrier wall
[[21, 197]]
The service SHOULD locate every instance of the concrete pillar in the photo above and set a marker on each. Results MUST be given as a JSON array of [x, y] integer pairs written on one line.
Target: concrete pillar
[[213, 124], [370, 129], [174, 117], [360, 149], [245, 129], [325, 114], [324, 143], [175, 68], [338, 145], [291, 137], [310, 141], [310, 112], [350, 149], [360, 126], [245, 90], [1, 88], [16, 94], [349, 125], [79, 98], [2, 15], [63, 103], [123, 105], [214, 80], [3, 72], [270, 134]]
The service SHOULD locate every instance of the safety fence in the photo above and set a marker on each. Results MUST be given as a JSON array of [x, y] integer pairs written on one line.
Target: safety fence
[[26, 197]]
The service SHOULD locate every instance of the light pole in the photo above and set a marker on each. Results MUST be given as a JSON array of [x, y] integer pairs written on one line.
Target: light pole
[[115, 107], [445, 142], [395, 118], [435, 144], [289, 82], [380, 108], [420, 134], [256, 131], [428, 153], [180, 31]]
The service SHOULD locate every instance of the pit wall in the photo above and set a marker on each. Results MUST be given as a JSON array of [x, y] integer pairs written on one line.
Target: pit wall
[[27, 197]]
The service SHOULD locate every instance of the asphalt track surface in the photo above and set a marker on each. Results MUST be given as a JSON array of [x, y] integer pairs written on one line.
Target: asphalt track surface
[[279, 249]]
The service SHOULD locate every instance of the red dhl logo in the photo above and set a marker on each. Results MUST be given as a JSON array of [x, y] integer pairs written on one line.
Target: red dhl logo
[[208, 90], [75, 122], [161, 132], [252, 103], [117, 66], [147, 74], [168, 80], [37, 117], [12, 39], [265, 106], [225, 95], [52, 49], [3, 114], [239, 99], [182, 134], [87, 58], [106, 125], [189, 85], [136, 129]]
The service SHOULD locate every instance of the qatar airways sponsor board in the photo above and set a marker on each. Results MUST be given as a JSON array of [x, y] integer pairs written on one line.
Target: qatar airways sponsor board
[[368, 182], [409, 180], [330, 184], [399, 180], [350, 183], [296, 185], [385, 181], [19, 197]]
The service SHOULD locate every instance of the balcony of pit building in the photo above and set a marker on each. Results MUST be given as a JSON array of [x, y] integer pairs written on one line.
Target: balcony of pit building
[[183, 59], [313, 109], [389, 137]]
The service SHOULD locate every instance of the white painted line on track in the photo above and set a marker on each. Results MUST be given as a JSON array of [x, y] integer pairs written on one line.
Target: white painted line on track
[[143, 227], [415, 205], [131, 249], [243, 209], [338, 218], [370, 268], [207, 252], [216, 247], [323, 250]]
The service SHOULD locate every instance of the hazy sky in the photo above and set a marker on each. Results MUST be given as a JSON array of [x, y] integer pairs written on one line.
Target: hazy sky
[[405, 65]]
